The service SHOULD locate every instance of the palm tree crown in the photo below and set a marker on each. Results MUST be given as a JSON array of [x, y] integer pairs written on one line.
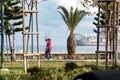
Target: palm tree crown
[[73, 17]]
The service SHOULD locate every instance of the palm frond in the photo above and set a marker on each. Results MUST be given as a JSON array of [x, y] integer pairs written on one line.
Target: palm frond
[[65, 12], [82, 14], [73, 17], [64, 18], [65, 15]]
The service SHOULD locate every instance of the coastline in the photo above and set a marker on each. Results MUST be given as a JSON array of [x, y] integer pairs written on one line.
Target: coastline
[[58, 48]]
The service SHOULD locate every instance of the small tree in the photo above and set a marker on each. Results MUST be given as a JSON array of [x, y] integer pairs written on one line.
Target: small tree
[[72, 19], [12, 19]]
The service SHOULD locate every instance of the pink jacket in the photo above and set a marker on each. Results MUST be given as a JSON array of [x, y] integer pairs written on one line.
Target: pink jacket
[[49, 45]]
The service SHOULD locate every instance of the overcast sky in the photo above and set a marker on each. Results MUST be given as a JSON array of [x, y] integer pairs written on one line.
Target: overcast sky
[[52, 25]]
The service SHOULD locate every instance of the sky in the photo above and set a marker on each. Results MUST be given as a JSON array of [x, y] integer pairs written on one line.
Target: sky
[[52, 25]]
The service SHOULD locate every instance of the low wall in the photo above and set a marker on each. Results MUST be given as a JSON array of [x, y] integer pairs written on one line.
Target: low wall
[[59, 55]]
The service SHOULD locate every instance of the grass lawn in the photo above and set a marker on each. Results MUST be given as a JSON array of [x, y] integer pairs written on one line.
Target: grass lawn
[[18, 66], [51, 70]]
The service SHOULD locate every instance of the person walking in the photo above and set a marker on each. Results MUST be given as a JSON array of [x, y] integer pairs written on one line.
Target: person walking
[[46, 40], [48, 54]]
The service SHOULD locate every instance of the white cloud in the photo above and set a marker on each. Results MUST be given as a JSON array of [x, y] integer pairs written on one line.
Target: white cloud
[[76, 3], [67, 3]]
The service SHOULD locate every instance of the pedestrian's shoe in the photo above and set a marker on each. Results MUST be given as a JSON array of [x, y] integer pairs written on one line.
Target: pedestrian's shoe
[[50, 59]]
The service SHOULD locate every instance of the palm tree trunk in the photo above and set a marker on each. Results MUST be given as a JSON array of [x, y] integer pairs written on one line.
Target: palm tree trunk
[[71, 46]]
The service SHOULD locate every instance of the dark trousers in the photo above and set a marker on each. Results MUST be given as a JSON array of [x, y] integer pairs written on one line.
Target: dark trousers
[[48, 54]]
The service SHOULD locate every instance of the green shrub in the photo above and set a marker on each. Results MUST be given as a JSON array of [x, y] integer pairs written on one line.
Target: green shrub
[[33, 70], [115, 67], [60, 78], [10, 76], [70, 66], [1, 77]]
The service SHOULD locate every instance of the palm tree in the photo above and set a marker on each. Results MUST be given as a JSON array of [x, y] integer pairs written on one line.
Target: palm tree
[[72, 19]]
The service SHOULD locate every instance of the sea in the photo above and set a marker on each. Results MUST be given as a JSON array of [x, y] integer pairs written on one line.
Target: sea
[[62, 48]]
